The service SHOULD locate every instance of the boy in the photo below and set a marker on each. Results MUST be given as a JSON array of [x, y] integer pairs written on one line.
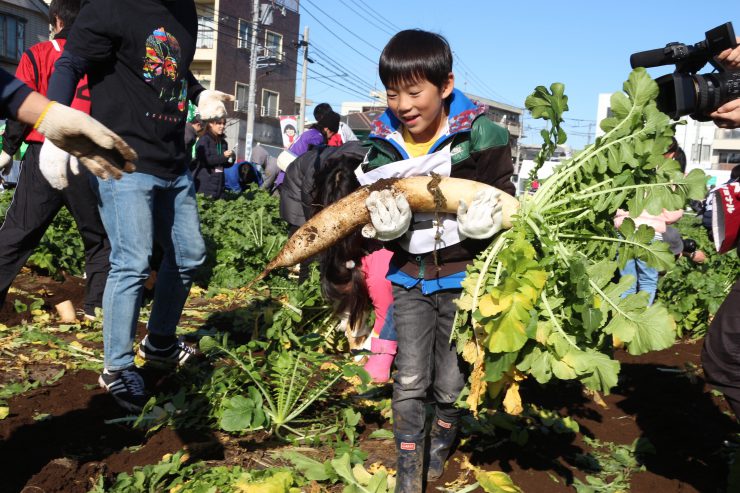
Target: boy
[[36, 203], [445, 133], [137, 55]]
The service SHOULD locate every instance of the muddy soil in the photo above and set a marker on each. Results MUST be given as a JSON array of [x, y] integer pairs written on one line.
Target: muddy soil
[[60, 438]]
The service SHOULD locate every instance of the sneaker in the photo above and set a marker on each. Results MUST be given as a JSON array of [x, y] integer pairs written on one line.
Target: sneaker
[[178, 353], [126, 387]]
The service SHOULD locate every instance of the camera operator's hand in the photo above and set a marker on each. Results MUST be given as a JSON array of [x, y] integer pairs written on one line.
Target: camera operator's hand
[[730, 58], [727, 115]]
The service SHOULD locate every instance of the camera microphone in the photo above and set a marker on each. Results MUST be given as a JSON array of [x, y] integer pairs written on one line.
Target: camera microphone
[[651, 58]]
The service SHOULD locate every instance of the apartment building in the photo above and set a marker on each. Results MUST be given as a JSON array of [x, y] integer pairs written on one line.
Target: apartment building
[[222, 62], [22, 23]]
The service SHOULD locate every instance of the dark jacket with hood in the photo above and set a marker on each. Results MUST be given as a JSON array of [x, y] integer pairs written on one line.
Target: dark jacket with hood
[[210, 159], [480, 151], [296, 191]]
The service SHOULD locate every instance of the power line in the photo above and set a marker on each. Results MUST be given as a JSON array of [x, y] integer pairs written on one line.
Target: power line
[[336, 36], [375, 11], [482, 83], [229, 31], [343, 26], [359, 80], [369, 19]]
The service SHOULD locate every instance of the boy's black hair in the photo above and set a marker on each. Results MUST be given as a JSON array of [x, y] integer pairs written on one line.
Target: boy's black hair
[[414, 55], [65, 10], [321, 110]]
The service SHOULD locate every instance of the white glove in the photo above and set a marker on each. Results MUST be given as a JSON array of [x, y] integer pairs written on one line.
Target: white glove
[[53, 163], [483, 219], [390, 215], [211, 104], [6, 162], [101, 150]]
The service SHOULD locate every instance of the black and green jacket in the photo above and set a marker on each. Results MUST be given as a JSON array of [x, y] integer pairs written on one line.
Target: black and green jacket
[[480, 151]]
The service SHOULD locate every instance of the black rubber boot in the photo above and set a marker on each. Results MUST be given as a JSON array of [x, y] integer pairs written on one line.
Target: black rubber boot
[[410, 463], [441, 437]]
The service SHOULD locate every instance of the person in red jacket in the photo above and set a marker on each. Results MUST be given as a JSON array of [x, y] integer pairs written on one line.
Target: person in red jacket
[[36, 203]]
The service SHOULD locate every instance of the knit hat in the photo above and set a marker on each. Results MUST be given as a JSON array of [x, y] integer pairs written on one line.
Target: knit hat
[[330, 121]]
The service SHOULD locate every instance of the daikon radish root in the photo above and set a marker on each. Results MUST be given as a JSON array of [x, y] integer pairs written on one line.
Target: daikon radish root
[[423, 193]]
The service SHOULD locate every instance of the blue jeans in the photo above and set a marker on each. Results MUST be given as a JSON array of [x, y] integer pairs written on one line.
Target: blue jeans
[[136, 210], [646, 278], [388, 330], [425, 358]]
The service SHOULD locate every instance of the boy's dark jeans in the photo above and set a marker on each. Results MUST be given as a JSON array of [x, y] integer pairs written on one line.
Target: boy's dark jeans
[[425, 358]]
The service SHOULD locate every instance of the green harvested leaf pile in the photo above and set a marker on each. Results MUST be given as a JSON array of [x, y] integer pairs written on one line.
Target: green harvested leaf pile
[[541, 300]]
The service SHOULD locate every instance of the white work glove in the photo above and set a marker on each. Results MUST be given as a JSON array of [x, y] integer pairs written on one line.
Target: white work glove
[[6, 162], [211, 104], [390, 215], [483, 219], [54, 162], [100, 149]]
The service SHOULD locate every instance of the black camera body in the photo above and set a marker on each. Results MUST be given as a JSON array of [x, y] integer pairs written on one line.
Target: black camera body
[[684, 92]]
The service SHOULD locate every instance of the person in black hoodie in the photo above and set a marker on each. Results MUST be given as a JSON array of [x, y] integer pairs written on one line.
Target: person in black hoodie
[[137, 55], [212, 155]]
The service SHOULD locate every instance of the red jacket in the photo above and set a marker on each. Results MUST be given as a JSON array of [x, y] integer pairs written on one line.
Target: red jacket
[[35, 69]]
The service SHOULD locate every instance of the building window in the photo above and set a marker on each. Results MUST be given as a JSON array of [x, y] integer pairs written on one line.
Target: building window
[[245, 34], [242, 96], [695, 157], [729, 157], [205, 32], [12, 37], [273, 45], [270, 103], [204, 81]]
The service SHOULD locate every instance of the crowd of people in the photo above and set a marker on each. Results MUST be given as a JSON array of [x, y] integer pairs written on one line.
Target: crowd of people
[[143, 163]]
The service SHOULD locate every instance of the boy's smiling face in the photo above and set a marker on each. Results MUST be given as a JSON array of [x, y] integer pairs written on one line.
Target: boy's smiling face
[[420, 106]]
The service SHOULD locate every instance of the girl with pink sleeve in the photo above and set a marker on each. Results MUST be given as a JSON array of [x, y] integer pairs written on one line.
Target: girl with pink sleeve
[[353, 274]]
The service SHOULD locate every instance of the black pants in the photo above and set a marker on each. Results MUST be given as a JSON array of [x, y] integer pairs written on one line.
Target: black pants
[[34, 206], [720, 355]]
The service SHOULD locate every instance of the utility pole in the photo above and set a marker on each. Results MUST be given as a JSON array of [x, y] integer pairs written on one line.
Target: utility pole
[[251, 107], [304, 79]]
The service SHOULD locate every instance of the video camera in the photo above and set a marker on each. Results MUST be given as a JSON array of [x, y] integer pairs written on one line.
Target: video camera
[[684, 92]]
